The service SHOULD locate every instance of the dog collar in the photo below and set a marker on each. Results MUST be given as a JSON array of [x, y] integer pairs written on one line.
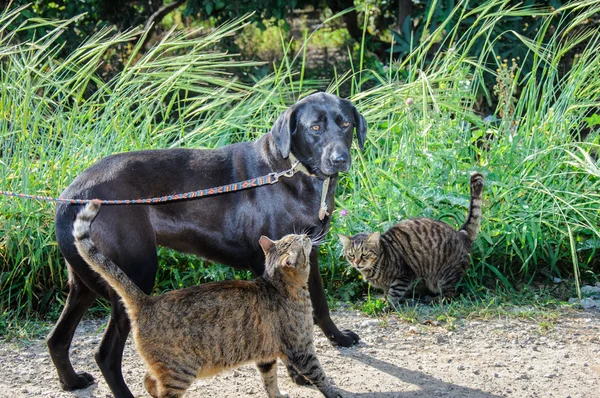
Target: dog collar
[[297, 165]]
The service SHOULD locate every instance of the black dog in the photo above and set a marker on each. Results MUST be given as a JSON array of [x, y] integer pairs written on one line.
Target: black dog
[[224, 228]]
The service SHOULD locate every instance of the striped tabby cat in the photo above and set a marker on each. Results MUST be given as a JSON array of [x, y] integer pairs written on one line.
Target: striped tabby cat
[[417, 249], [200, 331]]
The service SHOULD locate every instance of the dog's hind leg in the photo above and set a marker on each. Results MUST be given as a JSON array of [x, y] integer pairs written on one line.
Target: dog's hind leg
[[110, 354], [80, 298], [137, 257]]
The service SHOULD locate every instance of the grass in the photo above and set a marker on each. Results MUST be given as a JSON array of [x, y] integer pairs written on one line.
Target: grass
[[541, 199], [535, 305]]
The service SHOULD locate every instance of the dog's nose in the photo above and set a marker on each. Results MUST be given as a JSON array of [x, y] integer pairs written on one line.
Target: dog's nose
[[339, 159]]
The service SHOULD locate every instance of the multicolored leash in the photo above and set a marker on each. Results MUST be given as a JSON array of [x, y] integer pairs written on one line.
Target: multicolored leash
[[270, 178]]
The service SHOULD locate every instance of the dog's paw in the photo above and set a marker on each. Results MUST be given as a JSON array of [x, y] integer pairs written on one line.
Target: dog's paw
[[346, 338], [82, 380]]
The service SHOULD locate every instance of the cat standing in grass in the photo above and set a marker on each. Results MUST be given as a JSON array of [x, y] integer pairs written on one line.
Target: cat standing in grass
[[417, 249], [200, 331]]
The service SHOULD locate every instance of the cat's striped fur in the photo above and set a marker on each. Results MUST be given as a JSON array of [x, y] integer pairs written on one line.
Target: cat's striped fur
[[417, 249], [200, 331]]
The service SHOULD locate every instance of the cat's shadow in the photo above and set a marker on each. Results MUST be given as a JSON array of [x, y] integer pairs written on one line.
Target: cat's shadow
[[429, 386]]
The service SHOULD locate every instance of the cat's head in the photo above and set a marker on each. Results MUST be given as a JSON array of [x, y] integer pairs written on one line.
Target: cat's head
[[361, 250], [289, 255]]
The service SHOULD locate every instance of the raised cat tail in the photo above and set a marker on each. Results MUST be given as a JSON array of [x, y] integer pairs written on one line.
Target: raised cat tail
[[473, 221], [131, 295]]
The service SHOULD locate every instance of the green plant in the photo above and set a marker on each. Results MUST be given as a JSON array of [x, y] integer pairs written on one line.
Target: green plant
[[541, 201]]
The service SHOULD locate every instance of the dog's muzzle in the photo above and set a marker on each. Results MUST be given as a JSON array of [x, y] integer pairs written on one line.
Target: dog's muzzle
[[335, 160]]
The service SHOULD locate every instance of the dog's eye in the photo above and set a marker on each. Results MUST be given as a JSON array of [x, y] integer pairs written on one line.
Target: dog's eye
[[346, 124], [316, 128]]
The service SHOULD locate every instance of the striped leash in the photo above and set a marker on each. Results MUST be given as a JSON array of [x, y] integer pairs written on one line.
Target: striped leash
[[268, 179]]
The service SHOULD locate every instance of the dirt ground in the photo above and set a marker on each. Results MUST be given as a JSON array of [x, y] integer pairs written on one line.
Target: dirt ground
[[495, 358]]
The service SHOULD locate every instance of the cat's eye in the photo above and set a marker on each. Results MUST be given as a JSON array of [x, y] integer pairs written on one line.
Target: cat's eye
[[316, 128]]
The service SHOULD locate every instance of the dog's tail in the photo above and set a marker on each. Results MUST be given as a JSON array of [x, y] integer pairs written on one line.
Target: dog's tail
[[473, 221], [131, 295]]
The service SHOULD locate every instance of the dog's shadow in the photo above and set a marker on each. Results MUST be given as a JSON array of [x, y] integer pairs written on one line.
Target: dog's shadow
[[429, 386]]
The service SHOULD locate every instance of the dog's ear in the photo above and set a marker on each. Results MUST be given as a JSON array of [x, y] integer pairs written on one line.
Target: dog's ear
[[361, 129], [282, 131]]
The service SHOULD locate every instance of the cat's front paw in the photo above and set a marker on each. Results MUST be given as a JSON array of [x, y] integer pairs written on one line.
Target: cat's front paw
[[333, 392]]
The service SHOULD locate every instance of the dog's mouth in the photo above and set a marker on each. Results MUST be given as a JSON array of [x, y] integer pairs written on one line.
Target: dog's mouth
[[327, 169]]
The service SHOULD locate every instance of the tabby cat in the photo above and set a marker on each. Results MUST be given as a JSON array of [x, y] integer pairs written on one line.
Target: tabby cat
[[200, 331], [417, 249]]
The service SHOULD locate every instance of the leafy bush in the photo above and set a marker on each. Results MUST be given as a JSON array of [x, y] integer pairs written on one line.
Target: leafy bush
[[541, 196]]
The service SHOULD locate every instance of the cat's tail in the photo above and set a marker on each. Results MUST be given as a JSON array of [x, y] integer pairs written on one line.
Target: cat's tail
[[473, 221], [131, 295]]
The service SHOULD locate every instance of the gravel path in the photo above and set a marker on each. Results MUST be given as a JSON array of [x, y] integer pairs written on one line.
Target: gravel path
[[495, 358]]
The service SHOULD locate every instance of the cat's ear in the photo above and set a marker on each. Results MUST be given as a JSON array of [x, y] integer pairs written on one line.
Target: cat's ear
[[266, 244], [373, 239], [344, 239], [282, 131]]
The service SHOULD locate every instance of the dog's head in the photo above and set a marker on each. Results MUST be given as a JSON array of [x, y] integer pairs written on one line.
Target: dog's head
[[318, 131]]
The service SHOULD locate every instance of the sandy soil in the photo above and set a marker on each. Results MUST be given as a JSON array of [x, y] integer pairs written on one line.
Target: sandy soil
[[497, 358]]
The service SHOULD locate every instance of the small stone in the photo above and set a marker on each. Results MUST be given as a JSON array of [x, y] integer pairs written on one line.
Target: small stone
[[441, 339], [550, 375], [413, 329], [476, 371], [587, 303], [368, 323], [460, 367], [590, 290]]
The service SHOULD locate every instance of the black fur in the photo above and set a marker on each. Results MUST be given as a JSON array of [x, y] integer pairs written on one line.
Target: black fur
[[223, 228]]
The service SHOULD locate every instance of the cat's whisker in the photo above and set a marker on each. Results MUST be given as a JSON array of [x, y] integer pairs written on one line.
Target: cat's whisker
[[319, 238]]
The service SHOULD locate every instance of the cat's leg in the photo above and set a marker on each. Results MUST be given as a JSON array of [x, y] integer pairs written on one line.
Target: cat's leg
[[297, 377], [307, 364], [268, 371], [172, 384], [447, 284], [150, 385], [397, 291]]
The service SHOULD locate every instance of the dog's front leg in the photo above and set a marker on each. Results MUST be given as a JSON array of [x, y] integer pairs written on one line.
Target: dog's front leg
[[344, 338]]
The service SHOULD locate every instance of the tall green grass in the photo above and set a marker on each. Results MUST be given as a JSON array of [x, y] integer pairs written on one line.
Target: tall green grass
[[541, 207]]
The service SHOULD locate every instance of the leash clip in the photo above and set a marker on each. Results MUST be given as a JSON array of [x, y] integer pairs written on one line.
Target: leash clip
[[286, 173]]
